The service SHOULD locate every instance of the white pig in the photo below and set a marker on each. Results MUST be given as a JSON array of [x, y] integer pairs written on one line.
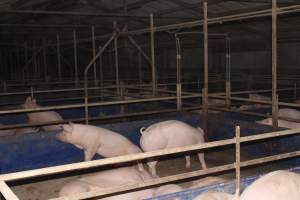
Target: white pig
[[93, 139], [211, 180], [278, 185], [289, 113], [168, 189], [41, 117], [281, 123], [170, 134], [215, 195], [110, 179]]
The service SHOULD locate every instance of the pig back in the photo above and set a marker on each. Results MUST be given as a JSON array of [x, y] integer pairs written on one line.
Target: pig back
[[173, 133], [278, 185]]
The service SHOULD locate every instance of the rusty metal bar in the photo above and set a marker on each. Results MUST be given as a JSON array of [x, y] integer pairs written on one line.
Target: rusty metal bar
[[75, 58], [58, 57], [153, 67], [237, 160], [94, 53], [116, 59], [274, 66]]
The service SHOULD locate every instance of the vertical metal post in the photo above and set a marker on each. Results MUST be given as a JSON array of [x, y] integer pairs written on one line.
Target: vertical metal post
[[178, 59], [274, 66], [140, 69], [228, 73], [295, 92], [116, 60], [178, 95], [153, 67], [75, 58], [58, 57], [205, 89], [34, 59], [237, 160], [25, 58], [101, 68], [94, 53], [45, 59]]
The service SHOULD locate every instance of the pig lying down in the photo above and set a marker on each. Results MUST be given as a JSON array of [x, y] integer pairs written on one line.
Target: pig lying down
[[110, 179], [278, 185], [24, 130], [215, 195], [258, 97], [171, 134], [41, 117], [281, 123], [93, 139]]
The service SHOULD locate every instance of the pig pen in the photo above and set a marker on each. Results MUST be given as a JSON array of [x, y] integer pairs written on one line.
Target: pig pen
[[39, 150]]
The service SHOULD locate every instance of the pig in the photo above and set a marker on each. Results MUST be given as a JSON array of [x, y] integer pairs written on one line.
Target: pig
[[93, 139], [167, 189], [289, 113], [41, 117], [259, 97], [277, 185], [215, 195], [281, 123], [109, 179], [211, 180], [18, 131], [171, 134], [256, 106]]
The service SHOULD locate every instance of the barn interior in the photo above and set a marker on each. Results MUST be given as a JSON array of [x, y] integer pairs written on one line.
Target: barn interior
[[227, 67]]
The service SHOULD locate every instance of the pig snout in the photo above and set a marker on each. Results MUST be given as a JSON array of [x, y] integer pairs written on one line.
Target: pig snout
[[61, 137]]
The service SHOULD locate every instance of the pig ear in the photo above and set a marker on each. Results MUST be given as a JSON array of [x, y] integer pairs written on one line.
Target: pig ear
[[68, 128]]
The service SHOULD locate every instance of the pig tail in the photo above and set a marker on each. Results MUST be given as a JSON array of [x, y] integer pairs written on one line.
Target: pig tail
[[142, 130]]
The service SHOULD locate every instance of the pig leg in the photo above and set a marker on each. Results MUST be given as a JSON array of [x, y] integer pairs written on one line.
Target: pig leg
[[187, 161], [88, 155], [152, 168], [202, 160]]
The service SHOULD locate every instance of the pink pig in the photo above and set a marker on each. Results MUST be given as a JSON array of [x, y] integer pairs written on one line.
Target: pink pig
[[171, 134], [41, 117], [93, 139], [109, 179]]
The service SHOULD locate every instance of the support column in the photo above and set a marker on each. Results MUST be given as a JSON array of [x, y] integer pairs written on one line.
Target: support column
[[274, 66], [58, 57], [45, 60], [101, 68], [140, 70], [153, 67], [75, 58], [205, 89], [94, 53], [228, 73], [34, 59], [116, 60]]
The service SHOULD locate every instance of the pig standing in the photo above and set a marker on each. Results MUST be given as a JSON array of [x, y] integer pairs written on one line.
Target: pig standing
[[281, 123], [41, 117], [109, 179], [215, 195], [278, 185], [170, 134], [93, 139]]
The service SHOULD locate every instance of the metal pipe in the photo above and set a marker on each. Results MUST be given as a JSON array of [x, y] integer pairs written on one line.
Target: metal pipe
[[153, 67], [116, 59], [85, 75], [237, 160], [75, 58], [45, 60], [178, 59], [138, 47], [274, 66], [205, 89], [94, 53], [101, 69], [34, 58], [58, 57]]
